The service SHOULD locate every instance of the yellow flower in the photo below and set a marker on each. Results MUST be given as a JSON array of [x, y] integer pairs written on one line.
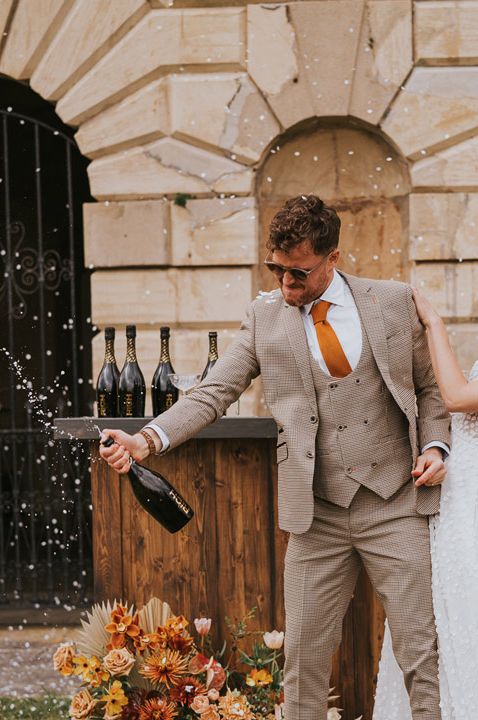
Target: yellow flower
[[234, 705], [115, 699], [259, 678], [82, 665]]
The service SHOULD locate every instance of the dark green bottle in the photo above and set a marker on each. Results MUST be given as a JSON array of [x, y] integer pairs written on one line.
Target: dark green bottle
[[163, 392], [107, 385], [132, 389]]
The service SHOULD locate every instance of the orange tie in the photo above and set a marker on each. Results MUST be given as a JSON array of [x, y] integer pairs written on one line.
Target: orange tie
[[332, 350]]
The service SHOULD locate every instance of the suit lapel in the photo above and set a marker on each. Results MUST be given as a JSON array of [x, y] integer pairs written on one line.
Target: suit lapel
[[294, 326]]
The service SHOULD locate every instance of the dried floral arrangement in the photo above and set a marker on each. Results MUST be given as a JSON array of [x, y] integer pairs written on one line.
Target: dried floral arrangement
[[145, 665]]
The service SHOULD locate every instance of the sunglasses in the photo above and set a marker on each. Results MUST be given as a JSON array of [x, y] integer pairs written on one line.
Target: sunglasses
[[297, 273]]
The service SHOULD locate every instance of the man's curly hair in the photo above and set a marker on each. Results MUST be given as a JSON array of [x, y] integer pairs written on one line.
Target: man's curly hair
[[305, 217]]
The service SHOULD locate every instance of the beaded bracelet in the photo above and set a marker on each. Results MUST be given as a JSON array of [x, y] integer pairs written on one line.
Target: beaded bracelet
[[149, 440]]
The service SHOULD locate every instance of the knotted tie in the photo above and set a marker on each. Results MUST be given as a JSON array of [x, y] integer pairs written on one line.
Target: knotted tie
[[332, 351]]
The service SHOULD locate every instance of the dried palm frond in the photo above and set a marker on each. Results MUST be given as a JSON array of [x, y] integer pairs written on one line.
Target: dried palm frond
[[93, 638], [154, 614]]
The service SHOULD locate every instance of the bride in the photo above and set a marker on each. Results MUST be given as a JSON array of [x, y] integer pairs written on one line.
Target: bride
[[454, 548]]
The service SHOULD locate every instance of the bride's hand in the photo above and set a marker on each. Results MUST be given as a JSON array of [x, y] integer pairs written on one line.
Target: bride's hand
[[426, 312]]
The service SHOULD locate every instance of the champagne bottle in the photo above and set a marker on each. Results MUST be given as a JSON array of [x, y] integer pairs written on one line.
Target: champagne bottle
[[108, 379], [132, 390], [163, 392], [213, 356], [157, 496]]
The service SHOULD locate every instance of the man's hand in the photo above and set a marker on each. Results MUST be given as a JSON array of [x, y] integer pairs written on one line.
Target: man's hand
[[429, 468], [126, 446]]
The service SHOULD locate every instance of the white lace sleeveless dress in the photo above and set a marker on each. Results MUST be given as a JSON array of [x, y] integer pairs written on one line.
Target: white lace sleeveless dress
[[454, 548]]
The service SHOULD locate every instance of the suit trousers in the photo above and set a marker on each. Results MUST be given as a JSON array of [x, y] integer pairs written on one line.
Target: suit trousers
[[321, 568]]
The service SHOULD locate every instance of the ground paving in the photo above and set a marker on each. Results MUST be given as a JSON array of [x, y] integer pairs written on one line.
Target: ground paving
[[26, 668]]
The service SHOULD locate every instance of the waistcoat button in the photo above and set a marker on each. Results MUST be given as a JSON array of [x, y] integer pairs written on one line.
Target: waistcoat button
[[349, 469], [313, 419], [357, 380], [374, 464], [332, 386], [309, 454]]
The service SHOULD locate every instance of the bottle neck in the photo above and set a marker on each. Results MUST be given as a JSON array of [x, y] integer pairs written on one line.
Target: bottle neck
[[164, 357], [130, 350], [110, 351], [213, 354]]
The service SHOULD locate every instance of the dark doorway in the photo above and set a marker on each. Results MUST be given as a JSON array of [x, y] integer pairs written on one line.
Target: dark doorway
[[45, 505]]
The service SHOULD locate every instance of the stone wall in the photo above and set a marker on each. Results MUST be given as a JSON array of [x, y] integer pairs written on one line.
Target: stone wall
[[181, 105]]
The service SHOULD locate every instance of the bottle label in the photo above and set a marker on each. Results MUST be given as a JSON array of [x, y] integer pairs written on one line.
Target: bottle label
[[179, 501], [128, 401], [169, 401], [102, 409]]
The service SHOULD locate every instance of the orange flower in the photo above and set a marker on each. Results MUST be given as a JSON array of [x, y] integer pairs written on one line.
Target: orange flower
[[157, 709], [166, 667], [259, 678], [176, 635], [122, 627], [215, 673], [149, 641], [186, 690], [63, 659], [210, 713], [234, 705]]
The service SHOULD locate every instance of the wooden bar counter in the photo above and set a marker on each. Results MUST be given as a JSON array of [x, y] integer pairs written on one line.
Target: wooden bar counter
[[229, 558]]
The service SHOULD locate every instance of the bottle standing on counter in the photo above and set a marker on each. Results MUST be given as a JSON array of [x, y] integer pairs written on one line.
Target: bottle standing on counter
[[213, 356], [163, 392], [157, 496], [132, 390], [107, 384]]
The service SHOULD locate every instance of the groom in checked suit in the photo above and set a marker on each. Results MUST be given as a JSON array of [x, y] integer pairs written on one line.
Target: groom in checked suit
[[361, 435]]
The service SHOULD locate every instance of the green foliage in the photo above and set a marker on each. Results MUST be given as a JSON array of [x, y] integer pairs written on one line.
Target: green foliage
[[49, 707]]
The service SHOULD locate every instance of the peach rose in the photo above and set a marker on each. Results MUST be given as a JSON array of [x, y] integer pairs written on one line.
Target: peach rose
[[211, 713], [63, 659], [82, 705], [213, 694], [200, 704], [119, 661]]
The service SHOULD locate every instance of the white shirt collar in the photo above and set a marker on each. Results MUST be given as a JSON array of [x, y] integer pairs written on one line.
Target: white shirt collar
[[335, 293]]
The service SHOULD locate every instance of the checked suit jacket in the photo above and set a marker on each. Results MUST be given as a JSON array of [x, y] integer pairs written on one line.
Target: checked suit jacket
[[272, 342]]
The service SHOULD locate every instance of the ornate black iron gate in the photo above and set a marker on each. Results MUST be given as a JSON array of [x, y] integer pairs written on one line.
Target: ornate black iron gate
[[45, 341]]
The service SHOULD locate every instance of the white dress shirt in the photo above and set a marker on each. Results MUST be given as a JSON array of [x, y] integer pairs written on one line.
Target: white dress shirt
[[344, 318]]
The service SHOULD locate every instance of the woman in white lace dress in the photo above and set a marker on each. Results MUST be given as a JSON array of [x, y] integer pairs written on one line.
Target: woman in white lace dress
[[454, 547]]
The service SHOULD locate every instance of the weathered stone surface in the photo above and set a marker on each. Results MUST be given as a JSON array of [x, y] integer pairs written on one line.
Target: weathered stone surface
[[464, 340], [131, 233], [451, 287], [446, 30], [89, 31], [444, 226], [31, 31], [214, 232], [193, 297], [455, 168], [235, 116], [168, 39], [384, 57], [315, 73], [436, 105], [136, 120], [165, 167]]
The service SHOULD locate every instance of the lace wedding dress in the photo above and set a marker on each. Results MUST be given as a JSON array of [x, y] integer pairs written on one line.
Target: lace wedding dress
[[454, 548]]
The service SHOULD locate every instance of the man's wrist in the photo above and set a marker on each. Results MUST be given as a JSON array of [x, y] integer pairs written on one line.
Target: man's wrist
[[143, 449]]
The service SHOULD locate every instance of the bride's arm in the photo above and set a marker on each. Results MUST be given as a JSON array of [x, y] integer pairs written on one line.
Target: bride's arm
[[458, 394]]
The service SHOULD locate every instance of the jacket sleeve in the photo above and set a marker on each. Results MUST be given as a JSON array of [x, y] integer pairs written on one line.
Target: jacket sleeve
[[433, 419], [230, 376]]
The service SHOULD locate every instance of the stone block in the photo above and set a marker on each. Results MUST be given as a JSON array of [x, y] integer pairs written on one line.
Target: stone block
[[464, 340], [136, 120], [384, 58], [437, 105], [317, 45], [204, 38], [88, 33], [446, 31], [31, 31], [452, 288], [163, 297], [166, 166], [235, 117], [444, 226], [214, 232], [213, 295], [455, 168], [127, 233]]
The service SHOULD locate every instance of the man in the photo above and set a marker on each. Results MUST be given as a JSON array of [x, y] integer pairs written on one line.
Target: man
[[348, 378]]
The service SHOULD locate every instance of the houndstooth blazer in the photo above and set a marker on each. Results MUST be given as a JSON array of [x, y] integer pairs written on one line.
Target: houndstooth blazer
[[272, 342]]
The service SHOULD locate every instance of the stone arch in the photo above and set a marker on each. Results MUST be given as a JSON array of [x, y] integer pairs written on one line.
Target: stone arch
[[354, 167]]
